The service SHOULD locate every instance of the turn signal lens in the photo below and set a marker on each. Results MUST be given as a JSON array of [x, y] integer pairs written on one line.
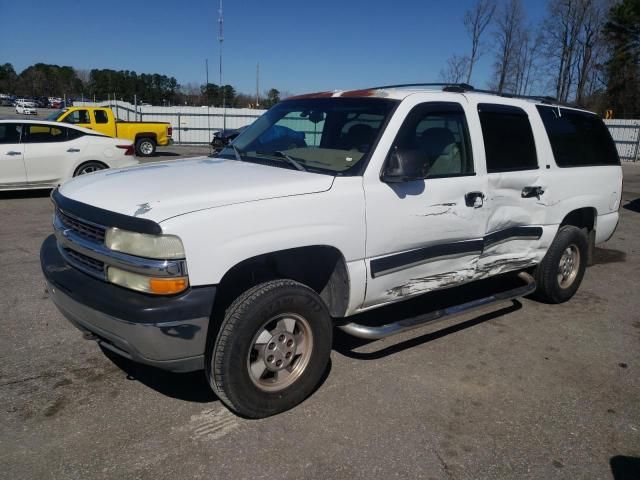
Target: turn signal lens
[[167, 286]]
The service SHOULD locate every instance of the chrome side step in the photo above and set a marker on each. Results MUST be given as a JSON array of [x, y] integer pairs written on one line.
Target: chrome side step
[[375, 333]]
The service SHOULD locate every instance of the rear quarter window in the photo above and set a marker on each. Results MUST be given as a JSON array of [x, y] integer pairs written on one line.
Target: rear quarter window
[[578, 139], [508, 138]]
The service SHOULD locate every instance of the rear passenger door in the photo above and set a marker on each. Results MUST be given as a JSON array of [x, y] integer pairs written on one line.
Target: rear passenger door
[[516, 184]]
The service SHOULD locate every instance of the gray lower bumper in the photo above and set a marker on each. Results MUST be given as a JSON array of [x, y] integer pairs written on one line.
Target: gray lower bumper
[[175, 346]]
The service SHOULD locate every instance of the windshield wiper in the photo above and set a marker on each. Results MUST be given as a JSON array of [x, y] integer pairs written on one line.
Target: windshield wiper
[[288, 158]]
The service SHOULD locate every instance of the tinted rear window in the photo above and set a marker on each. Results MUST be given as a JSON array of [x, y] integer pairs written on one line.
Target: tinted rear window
[[508, 139], [578, 139]]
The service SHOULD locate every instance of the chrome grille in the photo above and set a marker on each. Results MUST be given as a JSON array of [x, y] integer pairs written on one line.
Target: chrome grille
[[85, 229], [83, 261]]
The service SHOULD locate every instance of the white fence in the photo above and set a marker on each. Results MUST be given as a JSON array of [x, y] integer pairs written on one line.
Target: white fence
[[191, 125], [626, 134]]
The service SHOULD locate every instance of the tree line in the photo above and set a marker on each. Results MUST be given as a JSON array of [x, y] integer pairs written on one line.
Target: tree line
[[583, 52], [43, 80]]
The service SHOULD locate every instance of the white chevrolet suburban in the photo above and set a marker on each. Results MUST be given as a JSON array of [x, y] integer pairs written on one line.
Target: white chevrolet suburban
[[330, 204]]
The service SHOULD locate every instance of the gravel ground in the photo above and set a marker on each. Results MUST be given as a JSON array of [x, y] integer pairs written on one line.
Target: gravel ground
[[525, 390]]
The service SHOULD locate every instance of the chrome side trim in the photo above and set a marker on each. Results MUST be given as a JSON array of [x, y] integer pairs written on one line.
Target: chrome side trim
[[377, 332], [145, 266]]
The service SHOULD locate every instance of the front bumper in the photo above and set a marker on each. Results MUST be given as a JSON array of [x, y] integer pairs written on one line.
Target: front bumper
[[166, 332]]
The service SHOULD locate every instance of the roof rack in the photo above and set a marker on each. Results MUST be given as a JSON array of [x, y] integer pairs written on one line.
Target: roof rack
[[465, 87]]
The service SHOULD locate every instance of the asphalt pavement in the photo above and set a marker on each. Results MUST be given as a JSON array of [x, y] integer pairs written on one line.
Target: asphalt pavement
[[522, 390]]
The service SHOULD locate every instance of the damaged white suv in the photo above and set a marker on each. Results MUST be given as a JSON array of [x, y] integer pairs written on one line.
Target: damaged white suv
[[329, 205]]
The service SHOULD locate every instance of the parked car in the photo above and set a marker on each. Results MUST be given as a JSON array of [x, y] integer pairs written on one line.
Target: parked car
[[222, 138], [243, 265], [26, 109], [40, 154], [145, 135]]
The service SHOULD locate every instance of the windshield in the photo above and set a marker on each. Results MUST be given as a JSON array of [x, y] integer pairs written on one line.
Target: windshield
[[53, 116], [327, 135]]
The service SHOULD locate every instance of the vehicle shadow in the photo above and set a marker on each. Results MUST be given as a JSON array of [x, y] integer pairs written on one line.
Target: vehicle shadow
[[633, 205], [346, 344], [603, 256], [165, 154], [625, 468], [190, 387], [17, 194]]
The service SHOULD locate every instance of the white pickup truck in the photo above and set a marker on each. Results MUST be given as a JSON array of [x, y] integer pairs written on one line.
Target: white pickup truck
[[329, 205]]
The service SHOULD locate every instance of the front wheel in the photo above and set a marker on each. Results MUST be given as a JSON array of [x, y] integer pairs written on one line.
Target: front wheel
[[145, 147], [271, 350], [561, 271]]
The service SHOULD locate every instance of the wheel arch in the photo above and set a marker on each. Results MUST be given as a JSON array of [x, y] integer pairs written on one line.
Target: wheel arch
[[152, 135], [322, 268], [584, 218], [84, 162]]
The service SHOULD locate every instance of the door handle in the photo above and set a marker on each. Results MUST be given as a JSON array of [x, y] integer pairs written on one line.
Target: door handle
[[13, 152], [533, 191], [73, 150], [474, 199]]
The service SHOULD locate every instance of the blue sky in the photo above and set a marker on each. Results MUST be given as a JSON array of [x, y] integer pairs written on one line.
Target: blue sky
[[301, 45]]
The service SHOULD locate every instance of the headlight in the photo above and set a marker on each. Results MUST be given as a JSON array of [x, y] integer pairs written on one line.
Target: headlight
[[163, 247], [143, 283]]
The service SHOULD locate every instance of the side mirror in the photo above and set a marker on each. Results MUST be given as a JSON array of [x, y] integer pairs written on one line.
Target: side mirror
[[404, 166]]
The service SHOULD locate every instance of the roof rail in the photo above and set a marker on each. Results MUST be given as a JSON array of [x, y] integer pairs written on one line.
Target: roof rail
[[457, 86], [465, 87]]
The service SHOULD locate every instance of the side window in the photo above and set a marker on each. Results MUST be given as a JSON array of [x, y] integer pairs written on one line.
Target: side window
[[578, 139], [508, 138], [436, 137], [72, 133], [78, 116], [10, 133], [100, 116], [44, 134]]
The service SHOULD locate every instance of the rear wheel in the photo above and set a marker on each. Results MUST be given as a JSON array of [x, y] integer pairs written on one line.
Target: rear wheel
[[145, 147], [561, 271], [271, 350], [89, 167]]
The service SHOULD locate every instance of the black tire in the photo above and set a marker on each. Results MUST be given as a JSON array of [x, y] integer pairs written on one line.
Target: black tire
[[550, 287], [229, 357], [89, 167], [145, 147]]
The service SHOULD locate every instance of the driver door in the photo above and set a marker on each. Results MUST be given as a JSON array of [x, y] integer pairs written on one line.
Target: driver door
[[425, 234]]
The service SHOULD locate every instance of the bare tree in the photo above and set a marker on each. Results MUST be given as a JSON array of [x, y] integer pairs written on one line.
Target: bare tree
[[457, 67], [476, 20], [509, 28]]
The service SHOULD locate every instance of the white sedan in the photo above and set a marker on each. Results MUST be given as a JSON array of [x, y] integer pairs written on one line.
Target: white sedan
[[41, 154], [26, 109]]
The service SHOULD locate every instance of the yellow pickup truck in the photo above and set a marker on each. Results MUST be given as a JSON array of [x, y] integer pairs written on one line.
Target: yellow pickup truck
[[145, 135]]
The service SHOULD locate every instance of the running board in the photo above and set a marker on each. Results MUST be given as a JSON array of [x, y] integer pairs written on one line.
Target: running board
[[375, 333]]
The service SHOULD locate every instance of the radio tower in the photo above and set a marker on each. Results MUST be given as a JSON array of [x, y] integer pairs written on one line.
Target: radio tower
[[224, 93]]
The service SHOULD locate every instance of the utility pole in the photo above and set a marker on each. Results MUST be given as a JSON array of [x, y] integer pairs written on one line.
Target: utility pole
[[224, 93], [258, 85]]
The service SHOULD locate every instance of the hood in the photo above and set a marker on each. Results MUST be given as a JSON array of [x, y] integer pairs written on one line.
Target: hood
[[158, 191]]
